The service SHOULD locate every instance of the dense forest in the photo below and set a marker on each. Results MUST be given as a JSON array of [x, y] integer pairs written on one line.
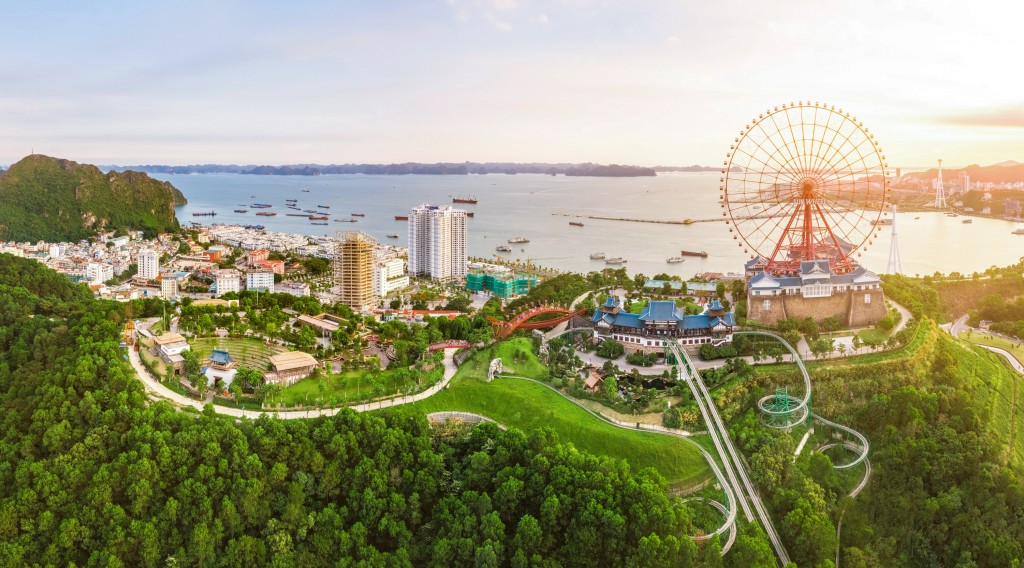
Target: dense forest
[[44, 198], [92, 473]]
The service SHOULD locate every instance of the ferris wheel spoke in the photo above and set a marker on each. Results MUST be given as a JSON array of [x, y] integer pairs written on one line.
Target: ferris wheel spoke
[[820, 162], [791, 154], [796, 145], [794, 174]]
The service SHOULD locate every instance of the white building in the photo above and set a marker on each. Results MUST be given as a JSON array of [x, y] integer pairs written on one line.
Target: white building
[[99, 272], [389, 275], [293, 288], [262, 280], [228, 280], [169, 285], [437, 242], [148, 264], [55, 251]]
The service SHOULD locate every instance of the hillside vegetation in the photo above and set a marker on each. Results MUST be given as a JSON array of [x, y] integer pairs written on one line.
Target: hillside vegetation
[[44, 198]]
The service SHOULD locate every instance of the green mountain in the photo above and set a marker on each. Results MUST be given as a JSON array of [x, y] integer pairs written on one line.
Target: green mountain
[[60, 200]]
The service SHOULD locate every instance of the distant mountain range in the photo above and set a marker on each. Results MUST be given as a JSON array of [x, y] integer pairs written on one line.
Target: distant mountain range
[[1009, 171], [463, 168]]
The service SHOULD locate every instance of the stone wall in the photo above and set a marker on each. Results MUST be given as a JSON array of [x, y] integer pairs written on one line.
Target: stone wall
[[776, 310], [848, 307], [862, 314]]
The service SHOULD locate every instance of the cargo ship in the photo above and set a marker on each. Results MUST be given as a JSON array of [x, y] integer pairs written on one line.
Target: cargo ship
[[317, 218], [241, 210], [702, 254], [324, 206], [266, 214], [401, 217], [465, 199], [392, 235], [314, 223], [261, 205], [344, 220], [358, 214], [575, 224], [297, 214]]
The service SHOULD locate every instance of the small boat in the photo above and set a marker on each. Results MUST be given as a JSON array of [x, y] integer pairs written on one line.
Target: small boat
[[465, 199], [324, 206], [358, 214], [675, 259], [614, 260], [392, 235], [304, 190], [315, 223], [266, 214], [241, 210], [575, 224], [503, 248], [917, 218], [317, 218], [401, 217], [597, 256], [702, 254], [517, 240], [967, 221]]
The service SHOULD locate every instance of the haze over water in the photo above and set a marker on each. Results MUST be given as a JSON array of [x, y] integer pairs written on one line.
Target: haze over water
[[522, 205]]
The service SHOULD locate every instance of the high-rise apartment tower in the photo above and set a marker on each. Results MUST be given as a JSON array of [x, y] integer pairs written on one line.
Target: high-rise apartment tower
[[437, 242]]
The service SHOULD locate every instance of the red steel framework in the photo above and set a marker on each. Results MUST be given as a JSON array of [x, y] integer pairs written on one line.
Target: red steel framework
[[804, 181], [503, 329]]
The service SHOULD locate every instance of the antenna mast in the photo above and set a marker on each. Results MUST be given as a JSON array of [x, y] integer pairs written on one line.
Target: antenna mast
[[895, 265], [940, 192]]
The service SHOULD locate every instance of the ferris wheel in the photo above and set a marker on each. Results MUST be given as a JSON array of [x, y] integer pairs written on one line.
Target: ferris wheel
[[804, 181]]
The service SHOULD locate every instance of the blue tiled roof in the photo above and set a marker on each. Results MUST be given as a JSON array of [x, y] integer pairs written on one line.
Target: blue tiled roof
[[715, 305], [659, 311], [673, 284], [610, 302], [695, 322], [220, 356], [626, 319]]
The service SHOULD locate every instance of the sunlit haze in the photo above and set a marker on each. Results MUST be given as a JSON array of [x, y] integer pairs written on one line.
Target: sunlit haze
[[653, 83]]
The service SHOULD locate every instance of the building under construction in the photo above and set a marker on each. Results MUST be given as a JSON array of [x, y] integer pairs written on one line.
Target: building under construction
[[502, 283], [353, 269]]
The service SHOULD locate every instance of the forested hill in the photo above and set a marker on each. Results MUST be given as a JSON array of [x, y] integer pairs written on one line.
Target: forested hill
[[44, 198], [94, 474]]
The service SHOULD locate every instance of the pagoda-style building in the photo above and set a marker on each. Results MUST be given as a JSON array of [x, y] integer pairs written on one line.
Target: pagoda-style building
[[662, 321]]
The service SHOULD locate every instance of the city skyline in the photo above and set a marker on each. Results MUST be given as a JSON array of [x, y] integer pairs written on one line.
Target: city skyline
[[663, 84]]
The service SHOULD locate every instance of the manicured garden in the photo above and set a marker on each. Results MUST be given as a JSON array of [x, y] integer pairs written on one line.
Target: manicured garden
[[250, 353], [353, 386]]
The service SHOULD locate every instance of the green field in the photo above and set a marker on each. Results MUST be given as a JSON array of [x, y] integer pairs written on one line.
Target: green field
[[526, 405], [250, 353], [350, 386]]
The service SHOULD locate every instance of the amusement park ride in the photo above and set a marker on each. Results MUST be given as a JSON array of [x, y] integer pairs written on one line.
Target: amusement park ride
[[804, 181]]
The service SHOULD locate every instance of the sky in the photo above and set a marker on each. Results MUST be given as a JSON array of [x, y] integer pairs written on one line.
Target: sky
[[648, 83]]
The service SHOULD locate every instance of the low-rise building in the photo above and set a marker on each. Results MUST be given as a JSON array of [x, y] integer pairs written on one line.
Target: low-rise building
[[289, 368], [662, 321], [262, 280], [220, 368], [292, 287], [257, 255], [169, 347], [275, 266], [99, 272], [169, 285]]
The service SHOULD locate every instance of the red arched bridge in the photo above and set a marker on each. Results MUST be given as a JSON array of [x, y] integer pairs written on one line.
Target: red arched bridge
[[450, 344], [503, 329]]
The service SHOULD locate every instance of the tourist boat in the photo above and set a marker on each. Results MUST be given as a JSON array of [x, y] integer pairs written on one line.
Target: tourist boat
[[401, 217], [1018, 231], [314, 223], [503, 248], [517, 240], [575, 224], [358, 214], [702, 254], [597, 256], [614, 260], [241, 210], [304, 190], [674, 259], [317, 218], [392, 235], [465, 199], [345, 220], [206, 214], [967, 221], [266, 214]]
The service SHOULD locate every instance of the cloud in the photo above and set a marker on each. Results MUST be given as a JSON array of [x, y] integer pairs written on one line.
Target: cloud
[[1010, 116], [504, 4], [543, 19], [674, 40], [497, 22]]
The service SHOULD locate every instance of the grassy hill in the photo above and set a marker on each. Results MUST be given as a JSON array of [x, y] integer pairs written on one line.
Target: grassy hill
[[60, 200]]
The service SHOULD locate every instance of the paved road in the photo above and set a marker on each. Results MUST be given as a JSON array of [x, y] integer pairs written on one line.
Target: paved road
[[1016, 364], [158, 391], [560, 328]]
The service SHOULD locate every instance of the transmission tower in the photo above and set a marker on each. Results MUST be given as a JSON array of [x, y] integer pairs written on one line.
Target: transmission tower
[[895, 263], [940, 193]]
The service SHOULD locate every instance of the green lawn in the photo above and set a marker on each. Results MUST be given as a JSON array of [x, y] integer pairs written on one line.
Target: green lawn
[[516, 355], [1013, 347], [527, 405], [250, 353], [873, 336], [351, 386]]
